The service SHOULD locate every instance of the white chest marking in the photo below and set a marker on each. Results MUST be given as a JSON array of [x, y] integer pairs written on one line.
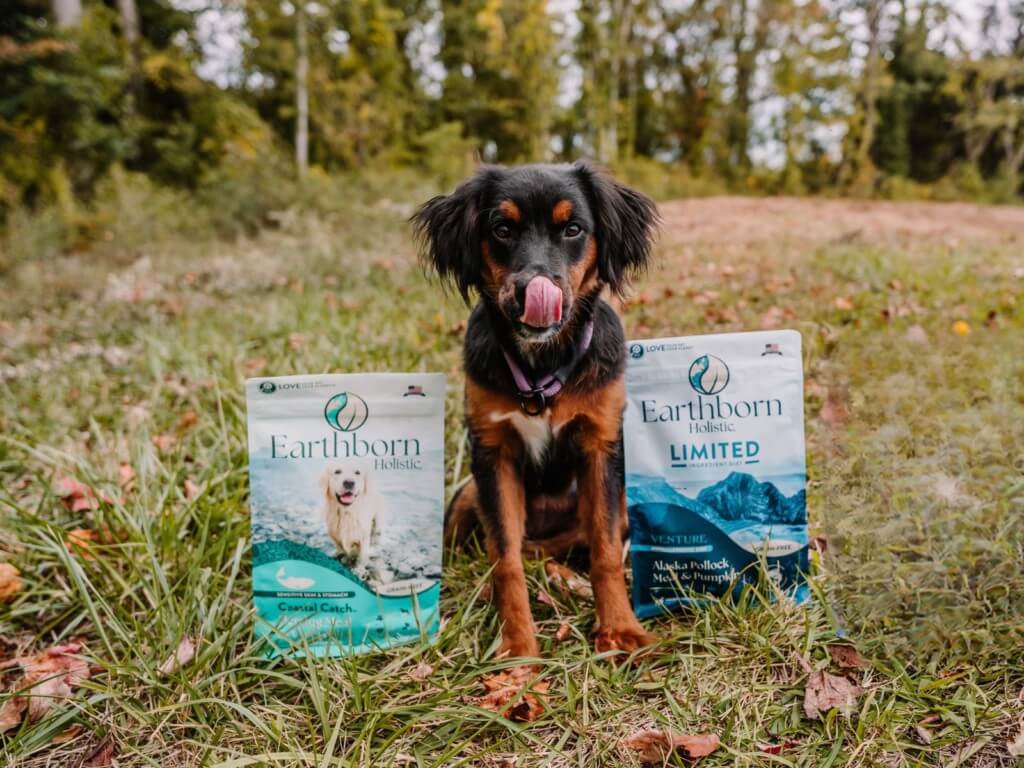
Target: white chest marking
[[535, 431]]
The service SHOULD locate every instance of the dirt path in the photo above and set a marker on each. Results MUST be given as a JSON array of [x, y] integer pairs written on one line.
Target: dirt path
[[739, 222]]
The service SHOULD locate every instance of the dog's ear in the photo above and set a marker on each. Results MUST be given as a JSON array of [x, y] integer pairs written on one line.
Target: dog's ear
[[625, 225], [448, 228], [325, 483]]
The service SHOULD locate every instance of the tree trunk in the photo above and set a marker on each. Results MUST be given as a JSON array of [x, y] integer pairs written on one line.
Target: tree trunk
[[301, 91], [133, 37], [862, 165], [67, 12]]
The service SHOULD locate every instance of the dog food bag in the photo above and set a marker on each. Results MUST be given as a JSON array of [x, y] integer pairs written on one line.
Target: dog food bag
[[715, 466], [346, 477]]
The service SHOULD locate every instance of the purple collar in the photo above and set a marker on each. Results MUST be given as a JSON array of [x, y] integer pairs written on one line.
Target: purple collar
[[535, 394]]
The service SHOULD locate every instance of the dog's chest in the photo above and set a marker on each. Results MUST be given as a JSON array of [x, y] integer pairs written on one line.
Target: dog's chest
[[536, 432]]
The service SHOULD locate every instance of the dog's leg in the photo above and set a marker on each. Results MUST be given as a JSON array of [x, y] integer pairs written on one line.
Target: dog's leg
[[602, 507], [503, 511], [461, 519]]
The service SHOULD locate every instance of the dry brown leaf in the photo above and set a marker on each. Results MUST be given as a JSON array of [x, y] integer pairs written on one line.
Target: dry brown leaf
[[844, 303], [510, 693], [833, 412], [825, 691], [486, 592], [254, 365], [80, 541], [846, 656], [421, 671], [165, 442], [11, 712], [655, 745], [185, 652], [191, 489], [563, 632], [923, 734], [567, 580], [544, 598], [76, 495], [10, 581], [68, 734], [102, 756], [49, 677], [125, 475], [186, 421]]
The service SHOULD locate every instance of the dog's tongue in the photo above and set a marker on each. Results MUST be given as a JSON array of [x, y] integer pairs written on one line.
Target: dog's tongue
[[347, 497], [543, 303]]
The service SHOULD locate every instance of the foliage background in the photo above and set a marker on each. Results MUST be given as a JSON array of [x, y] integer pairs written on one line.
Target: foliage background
[[890, 98]]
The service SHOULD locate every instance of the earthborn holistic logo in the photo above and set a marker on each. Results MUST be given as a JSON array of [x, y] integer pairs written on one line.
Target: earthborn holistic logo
[[268, 387], [708, 375], [346, 412], [636, 351]]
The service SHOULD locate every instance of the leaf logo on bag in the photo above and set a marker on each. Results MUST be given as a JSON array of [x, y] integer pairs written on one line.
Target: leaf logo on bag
[[346, 412], [709, 375]]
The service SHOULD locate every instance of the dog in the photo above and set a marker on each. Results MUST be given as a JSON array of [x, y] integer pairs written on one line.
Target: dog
[[544, 358], [351, 510]]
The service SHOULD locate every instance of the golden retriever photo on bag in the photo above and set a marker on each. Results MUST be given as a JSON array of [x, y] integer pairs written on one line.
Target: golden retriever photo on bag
[[351, 510]]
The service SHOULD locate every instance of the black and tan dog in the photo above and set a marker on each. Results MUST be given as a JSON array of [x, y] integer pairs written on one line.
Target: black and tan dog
[[544, 360]]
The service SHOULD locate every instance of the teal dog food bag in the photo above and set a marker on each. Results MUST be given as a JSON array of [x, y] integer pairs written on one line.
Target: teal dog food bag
[[715, 466], [346, 476]]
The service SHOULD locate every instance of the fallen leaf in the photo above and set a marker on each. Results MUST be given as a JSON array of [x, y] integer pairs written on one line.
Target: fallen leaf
[[125, 475], [80, 541], [11, 712], [509, 693], [843, 303], [76, 495], [254, 365], [10, 581], [895, 285], [923, 734], [186, 421], [191, 489], [655, 745], [49, 677], [563, 632], [567, 580], [1016, 747], [819, 544], [183, 655], [486, 592], [165, 442], [833, 412], [68, 734], [544, 598], [825, 691], [421, 671], [102, 756], [846, 656]]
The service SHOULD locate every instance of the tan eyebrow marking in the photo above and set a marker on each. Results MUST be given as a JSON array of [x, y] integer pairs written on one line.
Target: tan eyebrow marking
[[561, 212], [510, 209]]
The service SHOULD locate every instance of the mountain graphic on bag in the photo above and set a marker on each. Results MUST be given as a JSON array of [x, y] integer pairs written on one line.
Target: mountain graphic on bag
[[346, 488], [715, 466]]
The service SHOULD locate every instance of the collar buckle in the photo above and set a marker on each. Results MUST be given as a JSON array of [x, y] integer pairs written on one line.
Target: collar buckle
[[533, 401]]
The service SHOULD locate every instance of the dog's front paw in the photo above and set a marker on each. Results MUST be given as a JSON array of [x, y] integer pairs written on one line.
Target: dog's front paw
[[518, 647], [626, 639]]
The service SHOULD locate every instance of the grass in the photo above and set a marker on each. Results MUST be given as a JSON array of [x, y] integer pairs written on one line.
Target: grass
[[917, 481]]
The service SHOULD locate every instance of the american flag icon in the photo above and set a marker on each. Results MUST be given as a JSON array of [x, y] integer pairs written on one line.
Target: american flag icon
[[771, 349], [414, 390]]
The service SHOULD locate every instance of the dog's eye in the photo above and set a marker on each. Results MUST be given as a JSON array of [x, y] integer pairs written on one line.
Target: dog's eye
[[502, 231], [358, 472], [337, 471], [573, 230]]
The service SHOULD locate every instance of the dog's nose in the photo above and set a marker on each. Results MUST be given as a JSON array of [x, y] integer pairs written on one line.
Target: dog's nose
[[348, 485]]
